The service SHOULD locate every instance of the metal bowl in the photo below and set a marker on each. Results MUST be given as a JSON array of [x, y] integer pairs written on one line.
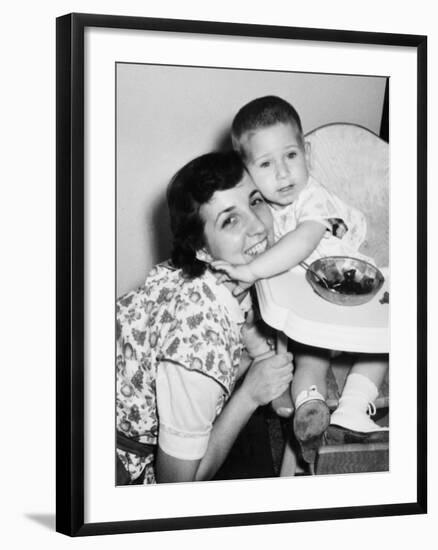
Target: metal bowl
[[344, 281]]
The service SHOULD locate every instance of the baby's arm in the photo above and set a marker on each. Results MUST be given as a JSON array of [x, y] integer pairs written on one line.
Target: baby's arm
[[286, 253]]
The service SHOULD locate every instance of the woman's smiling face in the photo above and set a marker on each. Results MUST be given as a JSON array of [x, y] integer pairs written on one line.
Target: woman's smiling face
[[238, 223]]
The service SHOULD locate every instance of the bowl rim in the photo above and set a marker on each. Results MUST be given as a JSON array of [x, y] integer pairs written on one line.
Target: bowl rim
[[379, 274], [347, 258]]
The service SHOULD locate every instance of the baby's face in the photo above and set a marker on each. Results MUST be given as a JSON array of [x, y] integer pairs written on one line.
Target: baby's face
[[278, 162]]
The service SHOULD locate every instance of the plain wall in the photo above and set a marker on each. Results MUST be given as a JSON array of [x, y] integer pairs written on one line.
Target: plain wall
[[168, 115]]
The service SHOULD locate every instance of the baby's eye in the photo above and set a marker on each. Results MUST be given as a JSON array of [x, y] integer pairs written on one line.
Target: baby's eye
[[265, 164], [291, 154]]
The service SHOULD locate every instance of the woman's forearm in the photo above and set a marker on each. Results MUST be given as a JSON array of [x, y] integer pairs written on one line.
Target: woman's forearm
[[225, 430], [268, 376], [235, 416], [169, 469]]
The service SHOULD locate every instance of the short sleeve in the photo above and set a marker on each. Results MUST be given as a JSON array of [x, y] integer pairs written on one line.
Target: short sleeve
[[316, 203], [187, 404], [201, 336]]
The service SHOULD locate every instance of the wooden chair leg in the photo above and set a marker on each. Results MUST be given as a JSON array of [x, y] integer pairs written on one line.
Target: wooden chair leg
[[289, 461], [281, 343]]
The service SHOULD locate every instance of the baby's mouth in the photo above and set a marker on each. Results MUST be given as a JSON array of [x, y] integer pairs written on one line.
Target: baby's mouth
[[286, 188], [257, 248]]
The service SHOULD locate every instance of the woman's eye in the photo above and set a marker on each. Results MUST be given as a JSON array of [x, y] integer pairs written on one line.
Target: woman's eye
[[229, 221], [291, 154], [256, 201], [265, 164]]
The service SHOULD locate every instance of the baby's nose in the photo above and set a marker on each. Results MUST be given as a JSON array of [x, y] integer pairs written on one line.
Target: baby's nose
[[282, 169]]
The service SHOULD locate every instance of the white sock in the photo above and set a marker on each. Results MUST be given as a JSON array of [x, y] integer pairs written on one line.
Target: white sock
[[356, 405]]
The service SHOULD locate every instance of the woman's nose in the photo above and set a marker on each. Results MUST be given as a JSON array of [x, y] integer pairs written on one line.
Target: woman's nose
[[255, 224]]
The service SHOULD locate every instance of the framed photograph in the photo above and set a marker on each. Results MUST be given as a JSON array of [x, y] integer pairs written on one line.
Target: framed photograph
[[167, 382]]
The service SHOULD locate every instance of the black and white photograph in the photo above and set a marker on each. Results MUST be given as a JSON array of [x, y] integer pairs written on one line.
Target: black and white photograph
[[239, 210], [219, 308], [253, 281]]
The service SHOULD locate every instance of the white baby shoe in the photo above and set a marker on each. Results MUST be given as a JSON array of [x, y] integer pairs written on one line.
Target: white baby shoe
[[356, 419]]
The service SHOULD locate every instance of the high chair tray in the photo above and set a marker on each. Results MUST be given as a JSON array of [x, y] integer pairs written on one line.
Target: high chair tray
[[288, 303]]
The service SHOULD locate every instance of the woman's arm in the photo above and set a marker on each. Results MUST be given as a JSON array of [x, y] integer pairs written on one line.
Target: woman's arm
[[266, 379], [286, 253], [225, 431]]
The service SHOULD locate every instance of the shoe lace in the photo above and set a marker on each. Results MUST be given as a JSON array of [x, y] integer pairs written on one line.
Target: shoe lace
[[371, 410]]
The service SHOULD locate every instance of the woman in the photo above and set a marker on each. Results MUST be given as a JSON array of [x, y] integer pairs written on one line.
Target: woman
[[181, 336]]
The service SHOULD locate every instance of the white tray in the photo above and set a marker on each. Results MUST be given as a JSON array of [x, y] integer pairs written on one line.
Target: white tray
[[288, 303]]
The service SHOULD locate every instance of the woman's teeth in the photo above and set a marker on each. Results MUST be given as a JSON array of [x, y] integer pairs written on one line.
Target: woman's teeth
[[257, 248]]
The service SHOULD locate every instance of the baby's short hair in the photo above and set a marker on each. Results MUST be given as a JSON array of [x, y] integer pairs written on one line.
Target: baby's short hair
[[262, 113]]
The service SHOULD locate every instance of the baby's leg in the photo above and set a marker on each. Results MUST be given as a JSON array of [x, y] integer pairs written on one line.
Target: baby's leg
[[374, 367], [309, 391], [357, 401], [310, 371], [282, 404], [311, 366]]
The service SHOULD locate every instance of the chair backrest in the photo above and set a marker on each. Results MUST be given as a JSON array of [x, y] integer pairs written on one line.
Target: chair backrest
[[354, 163]]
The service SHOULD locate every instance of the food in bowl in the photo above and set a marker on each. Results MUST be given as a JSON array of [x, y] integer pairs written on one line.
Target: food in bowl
[[343, 280]]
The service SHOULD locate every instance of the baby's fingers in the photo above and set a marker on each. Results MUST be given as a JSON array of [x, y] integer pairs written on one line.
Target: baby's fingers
[[223, 278], [220, 265], [238, 290], [249, 319]]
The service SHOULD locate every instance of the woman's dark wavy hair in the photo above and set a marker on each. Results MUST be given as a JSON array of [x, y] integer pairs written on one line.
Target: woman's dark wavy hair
[[190, 188]]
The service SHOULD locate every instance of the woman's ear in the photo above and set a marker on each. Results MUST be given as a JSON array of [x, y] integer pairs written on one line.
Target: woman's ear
[[204, 256]]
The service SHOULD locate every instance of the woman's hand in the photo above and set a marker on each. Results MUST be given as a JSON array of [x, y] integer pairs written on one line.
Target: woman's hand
[[267, 378], [253, 340]]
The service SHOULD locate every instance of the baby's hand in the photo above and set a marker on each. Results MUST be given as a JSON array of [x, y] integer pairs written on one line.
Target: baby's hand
[[241, 273]]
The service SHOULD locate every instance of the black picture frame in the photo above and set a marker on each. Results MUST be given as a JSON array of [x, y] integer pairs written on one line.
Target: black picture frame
[[70, 308]]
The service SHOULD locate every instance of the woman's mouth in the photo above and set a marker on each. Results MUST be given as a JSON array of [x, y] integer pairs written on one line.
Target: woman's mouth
[[258, 248]]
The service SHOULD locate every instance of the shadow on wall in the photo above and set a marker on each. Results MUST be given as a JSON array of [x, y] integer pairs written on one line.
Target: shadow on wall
[[162, 243], [224, 141]]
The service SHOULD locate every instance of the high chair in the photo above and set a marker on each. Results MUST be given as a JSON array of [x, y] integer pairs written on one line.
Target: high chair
[[353, 162]]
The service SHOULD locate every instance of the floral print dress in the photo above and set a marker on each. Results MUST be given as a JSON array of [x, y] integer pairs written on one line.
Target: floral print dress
[[174, 319]]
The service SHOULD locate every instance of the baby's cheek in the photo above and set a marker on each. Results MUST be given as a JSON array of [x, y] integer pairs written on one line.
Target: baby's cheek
[[253, 172], [260, 180]]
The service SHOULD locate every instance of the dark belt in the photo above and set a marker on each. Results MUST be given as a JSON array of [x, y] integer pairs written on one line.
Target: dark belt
[[130, 445]]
